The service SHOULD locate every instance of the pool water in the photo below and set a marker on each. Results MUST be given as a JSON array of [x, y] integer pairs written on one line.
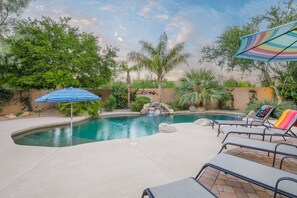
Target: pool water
[[107, 128]]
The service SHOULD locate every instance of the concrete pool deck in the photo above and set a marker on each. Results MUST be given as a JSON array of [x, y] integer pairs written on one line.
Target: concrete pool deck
[[116, 168]]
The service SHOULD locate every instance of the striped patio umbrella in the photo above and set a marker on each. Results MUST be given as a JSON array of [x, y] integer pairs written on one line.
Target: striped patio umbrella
[[274, 45]]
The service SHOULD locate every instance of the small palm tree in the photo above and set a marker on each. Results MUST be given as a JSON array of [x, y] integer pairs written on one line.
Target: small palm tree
[[159, 59], [198, 88], [125, 68]]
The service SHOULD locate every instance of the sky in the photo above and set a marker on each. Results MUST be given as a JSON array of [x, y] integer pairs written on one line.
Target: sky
[[123, 23]]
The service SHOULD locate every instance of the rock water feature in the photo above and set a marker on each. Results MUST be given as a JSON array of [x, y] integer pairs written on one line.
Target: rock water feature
[[156, 108]]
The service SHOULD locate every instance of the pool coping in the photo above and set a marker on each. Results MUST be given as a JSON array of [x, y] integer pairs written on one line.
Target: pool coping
[[79, 120]]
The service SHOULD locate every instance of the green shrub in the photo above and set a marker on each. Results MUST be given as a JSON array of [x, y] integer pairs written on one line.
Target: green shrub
[[230, 83], [110, 103], [146, 84], [177, 107], [279, 108], [138, 104], [91, 107], [5, 96], [144, 98], [245, 84]]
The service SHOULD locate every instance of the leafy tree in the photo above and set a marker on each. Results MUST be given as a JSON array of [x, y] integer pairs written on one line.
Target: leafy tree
[[159, 59], [49, 54], [9, 12], [198, 87], [223, 50]]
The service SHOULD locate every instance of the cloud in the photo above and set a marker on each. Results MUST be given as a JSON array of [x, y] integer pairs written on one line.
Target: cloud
[[147, 8], [163, 16], [39, 7], [106, 7], [120, 39], [85, 22]]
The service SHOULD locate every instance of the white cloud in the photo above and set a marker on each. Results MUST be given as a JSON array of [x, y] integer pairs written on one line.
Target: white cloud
[[39, 7], [163, 16], [120, 39], [106, 7], [115, 34], [147, 8], [85, 22]]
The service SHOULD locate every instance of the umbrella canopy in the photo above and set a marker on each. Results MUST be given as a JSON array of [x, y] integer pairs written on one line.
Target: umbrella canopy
[[277, 44], [68, 95]]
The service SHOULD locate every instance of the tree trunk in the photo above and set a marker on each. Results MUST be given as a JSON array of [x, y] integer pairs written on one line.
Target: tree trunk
[[160, 90], [129, 95]]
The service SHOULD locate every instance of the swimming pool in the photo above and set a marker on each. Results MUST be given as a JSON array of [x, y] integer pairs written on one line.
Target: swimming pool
[[108, 128]]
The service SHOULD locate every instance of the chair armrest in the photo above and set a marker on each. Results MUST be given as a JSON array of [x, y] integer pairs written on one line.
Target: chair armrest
[[280, 180], [286, 157]]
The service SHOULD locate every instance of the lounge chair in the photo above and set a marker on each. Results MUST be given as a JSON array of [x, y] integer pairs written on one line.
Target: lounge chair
[[267, 177], [185, 188], [261, 119], [274, 148], [281, 128]]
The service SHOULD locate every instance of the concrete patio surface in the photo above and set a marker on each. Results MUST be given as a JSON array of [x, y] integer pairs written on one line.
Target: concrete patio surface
[[116, 168]]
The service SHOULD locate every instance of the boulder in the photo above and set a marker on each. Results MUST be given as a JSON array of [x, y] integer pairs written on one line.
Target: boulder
[[10, 116], [204, 122], [146, 106], [171, 111], [143, 111], [192, 108], [166, 128], [25, 114], [157, 112], [201, 109]]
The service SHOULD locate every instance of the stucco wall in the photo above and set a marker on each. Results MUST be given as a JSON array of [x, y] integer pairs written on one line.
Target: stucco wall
[[16, 106], [242, 95], [168, 94]]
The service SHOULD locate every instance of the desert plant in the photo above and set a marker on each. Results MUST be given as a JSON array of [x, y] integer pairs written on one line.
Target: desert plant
[[110, 103], [176, 106], [198, 87], [27, 103], [279, 108]]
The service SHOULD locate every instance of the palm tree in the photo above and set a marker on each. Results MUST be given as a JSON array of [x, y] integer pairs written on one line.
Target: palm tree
[[197, 87], [159, 59], [125, 68]]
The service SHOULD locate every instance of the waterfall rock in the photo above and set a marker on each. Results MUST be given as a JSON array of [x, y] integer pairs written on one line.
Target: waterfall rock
[[156, 109], [166, 128]]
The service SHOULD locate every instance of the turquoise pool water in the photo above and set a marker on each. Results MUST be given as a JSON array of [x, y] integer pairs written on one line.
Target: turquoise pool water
[[107, 128]]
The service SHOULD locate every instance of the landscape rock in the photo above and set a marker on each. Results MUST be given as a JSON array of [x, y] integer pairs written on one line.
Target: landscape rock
[[156, 109], [201, 109], [25, 114], [192, 108], [166, 128], [10, 116], [143, 111], [204, 122]]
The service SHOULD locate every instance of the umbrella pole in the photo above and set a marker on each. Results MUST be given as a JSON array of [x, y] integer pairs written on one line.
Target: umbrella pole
[[71, 122]]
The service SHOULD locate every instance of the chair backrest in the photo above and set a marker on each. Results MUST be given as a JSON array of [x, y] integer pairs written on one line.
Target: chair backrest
[[265, 111], [286, 119]]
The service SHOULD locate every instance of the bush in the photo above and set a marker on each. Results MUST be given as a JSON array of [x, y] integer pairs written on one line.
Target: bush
[[138, 104], [91, 107], [110, 103], [144, 84], [120, 92], [5, 96], [177, 107], [230, 83], [279, 108], [144, 98]]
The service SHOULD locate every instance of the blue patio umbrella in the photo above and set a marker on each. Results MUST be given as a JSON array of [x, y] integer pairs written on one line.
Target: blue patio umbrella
[[68, 95]]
